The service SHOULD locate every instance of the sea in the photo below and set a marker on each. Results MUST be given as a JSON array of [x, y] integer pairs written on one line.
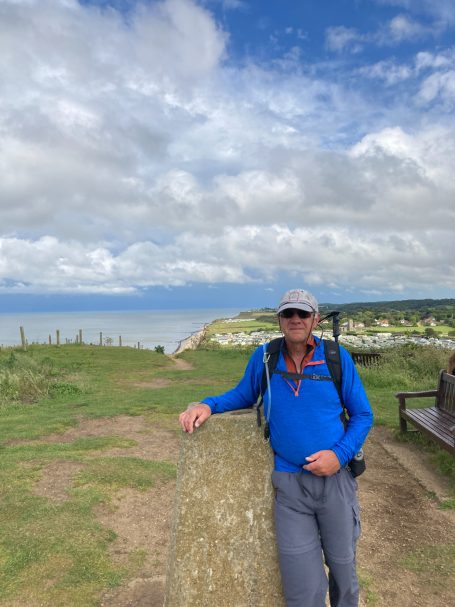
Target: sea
[[136, 328]]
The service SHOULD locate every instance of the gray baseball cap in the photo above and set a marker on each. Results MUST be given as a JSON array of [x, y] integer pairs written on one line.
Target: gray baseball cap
[[298, 299]]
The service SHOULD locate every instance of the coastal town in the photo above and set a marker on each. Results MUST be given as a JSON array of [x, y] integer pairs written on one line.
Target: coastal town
[[357, 341]]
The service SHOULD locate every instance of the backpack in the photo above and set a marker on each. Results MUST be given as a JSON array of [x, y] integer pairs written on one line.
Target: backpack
[[332, 356]]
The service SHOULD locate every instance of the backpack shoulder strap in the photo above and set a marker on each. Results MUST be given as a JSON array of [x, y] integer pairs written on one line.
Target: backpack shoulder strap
[[271, 355], [333, 360], [271, 360]]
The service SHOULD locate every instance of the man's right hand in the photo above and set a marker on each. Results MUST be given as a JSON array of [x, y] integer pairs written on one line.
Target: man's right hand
[[194, 416]]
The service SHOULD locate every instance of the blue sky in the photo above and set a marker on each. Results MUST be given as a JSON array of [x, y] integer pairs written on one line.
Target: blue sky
[[200, 153]]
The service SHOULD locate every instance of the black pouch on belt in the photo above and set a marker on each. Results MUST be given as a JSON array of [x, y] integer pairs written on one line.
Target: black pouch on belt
[[357, 465]]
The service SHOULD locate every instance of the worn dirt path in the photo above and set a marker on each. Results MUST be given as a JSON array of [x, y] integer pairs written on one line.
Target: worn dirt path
[[399, 517]]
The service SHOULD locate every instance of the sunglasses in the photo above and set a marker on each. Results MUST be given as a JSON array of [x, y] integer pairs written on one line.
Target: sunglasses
[[289, 313]]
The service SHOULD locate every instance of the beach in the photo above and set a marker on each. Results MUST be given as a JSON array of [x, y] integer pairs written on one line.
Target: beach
[[191, 342]]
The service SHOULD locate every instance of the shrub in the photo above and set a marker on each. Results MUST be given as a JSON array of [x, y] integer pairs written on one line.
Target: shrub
[[409, 367], [24, 385], [431, 332], [25, 380]]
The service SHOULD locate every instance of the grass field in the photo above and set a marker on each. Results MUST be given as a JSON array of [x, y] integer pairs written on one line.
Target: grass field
[[245, 324], [439, 329], [59, 552]]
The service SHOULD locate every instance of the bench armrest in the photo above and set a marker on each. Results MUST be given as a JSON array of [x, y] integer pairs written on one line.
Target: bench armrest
[[425, 393]]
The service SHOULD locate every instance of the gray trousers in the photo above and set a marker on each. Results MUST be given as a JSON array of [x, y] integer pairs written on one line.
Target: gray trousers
[[317, 517]]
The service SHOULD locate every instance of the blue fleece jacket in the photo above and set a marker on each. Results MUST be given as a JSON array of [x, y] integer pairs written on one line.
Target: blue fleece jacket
[[310, 420]]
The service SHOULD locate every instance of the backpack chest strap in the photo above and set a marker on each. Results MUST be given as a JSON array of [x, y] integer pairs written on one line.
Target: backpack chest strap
[[299, 376]]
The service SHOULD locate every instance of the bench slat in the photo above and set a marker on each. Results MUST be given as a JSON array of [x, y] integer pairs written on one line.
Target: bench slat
[[434, 425], [434, 420]]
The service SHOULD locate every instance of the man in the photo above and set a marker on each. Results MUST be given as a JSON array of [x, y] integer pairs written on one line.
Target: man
[[316, 507]]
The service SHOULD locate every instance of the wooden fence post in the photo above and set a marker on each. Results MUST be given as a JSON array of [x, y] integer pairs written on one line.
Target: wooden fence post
[[101, 338], [23, 340], [57, 334], [80, 336]]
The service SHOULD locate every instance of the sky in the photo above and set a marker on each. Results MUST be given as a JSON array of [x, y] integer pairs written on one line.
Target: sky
[[214, 153]]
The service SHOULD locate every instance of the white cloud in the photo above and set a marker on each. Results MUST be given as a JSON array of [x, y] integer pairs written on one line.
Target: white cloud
[[402, 28], [335, 256], [427, 60], [442, 11], [432, 73], [339, 38], [425, 161], [297, 220], [439, 86], [49, 265], [131, 155], [388, 71]]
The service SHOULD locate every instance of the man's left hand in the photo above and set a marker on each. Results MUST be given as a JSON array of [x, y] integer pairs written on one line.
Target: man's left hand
[[322, 463]]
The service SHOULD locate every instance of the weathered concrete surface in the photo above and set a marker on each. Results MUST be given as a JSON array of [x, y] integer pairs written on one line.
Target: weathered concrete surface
[[223, 550]]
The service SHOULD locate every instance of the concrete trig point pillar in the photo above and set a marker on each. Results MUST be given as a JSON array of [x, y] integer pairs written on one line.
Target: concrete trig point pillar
[[223, 551]]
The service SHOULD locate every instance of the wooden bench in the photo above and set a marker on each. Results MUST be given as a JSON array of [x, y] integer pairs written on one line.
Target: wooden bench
[[438, 421]]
